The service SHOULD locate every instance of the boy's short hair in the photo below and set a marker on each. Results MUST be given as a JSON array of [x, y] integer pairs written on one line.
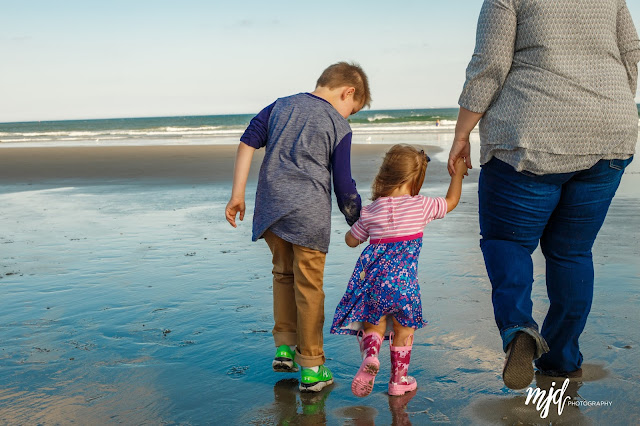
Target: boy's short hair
[[345, 74]]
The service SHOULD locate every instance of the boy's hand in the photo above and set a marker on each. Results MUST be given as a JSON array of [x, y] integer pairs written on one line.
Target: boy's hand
[[234, 206]]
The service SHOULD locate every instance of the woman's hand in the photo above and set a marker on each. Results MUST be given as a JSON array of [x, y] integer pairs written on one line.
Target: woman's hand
[[461, 148]]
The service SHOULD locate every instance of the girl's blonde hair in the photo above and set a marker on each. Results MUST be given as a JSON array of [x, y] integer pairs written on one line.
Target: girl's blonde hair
[[401, 164]]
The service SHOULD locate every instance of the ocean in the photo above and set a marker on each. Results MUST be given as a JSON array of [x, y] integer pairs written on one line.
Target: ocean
[[208, 129], [369, 126]]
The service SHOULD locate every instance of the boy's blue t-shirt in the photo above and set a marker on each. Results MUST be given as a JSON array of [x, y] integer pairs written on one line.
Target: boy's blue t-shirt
[[306, 139]]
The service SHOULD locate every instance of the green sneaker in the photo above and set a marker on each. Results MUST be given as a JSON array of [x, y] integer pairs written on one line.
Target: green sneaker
[[311, 381], [283, 361]]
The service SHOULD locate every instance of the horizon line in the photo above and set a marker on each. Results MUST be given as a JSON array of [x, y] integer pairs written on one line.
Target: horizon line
[[197, 115]]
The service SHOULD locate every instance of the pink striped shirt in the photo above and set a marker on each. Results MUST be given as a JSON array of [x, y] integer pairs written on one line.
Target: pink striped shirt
[[391, 218]]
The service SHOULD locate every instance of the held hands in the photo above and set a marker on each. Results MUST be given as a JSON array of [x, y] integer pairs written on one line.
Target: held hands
[[460, 168], [455, 187], [234, 206], [460, 153]]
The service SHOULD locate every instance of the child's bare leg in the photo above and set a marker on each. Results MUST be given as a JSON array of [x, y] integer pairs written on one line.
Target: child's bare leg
[[401, 334], [379, 328]]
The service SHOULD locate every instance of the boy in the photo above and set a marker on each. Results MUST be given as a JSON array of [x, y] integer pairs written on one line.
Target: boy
[[307, 139]]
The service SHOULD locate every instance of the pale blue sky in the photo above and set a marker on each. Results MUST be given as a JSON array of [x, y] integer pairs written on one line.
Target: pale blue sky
[[99, 59]]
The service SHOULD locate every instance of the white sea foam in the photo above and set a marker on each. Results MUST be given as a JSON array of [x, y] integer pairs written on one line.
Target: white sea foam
[[40, 191], [378, 117], [206, 134], [168, 132], [416, 127]]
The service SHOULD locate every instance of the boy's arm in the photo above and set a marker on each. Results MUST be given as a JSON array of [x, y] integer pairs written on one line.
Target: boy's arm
[[257, 132], [240, 175], [253, 138], [455, 187], [344, 186]]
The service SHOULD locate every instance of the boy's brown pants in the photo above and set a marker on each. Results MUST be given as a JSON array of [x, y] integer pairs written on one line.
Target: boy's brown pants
[[298, 299]]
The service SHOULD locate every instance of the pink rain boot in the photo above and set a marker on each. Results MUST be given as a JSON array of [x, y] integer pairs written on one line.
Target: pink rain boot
[[369, 348], [399, 382]]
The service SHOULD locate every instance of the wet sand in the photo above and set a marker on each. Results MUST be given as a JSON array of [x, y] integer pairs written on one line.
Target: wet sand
[[154, 164], [128, 298]]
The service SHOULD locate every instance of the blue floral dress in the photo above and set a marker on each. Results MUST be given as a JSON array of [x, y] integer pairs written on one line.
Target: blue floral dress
[[389, 287]]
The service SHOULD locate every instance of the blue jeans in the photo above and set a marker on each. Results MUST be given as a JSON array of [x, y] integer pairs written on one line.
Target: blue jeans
[[563, 212]]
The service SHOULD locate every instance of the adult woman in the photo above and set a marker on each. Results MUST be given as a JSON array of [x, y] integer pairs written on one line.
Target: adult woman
[[554, 84]]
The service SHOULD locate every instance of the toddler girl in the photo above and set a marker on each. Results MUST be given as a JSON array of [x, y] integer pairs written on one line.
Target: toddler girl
[[383, 296]]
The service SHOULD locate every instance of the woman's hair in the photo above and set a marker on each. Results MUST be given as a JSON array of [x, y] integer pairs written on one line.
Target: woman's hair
[[401, 164]]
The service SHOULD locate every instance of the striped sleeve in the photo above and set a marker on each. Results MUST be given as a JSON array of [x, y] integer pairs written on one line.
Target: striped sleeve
[[359, 229], [434, 208]]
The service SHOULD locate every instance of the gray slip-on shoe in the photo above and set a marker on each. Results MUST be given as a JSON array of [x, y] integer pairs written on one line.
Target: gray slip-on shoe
[[518, 367]]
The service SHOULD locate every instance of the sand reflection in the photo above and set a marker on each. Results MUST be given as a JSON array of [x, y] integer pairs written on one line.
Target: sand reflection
[[129, 398]]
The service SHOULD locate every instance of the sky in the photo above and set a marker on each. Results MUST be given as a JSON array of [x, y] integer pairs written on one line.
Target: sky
[[138, 58]]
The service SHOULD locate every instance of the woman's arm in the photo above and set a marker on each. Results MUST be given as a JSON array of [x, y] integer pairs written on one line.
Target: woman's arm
[[629, 46], [493, 55], [461, 147], [486, 73]]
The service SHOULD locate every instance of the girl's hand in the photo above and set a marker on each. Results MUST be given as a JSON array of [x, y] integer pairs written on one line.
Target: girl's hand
[[461, 148], [234, 206], [461, 168], [351, 240]]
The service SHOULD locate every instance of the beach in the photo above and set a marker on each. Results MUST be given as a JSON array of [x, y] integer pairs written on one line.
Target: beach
[[127, 298]]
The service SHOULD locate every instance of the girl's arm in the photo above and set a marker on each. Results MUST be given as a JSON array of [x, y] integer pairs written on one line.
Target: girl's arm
[[351, 240], [455, 187], [240, 175]]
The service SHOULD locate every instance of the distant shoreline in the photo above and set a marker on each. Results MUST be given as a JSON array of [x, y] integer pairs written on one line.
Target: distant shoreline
[[245, 114], [241, 115]]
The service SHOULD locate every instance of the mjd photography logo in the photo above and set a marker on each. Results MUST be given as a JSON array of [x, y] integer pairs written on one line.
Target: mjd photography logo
[[542, 399]]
